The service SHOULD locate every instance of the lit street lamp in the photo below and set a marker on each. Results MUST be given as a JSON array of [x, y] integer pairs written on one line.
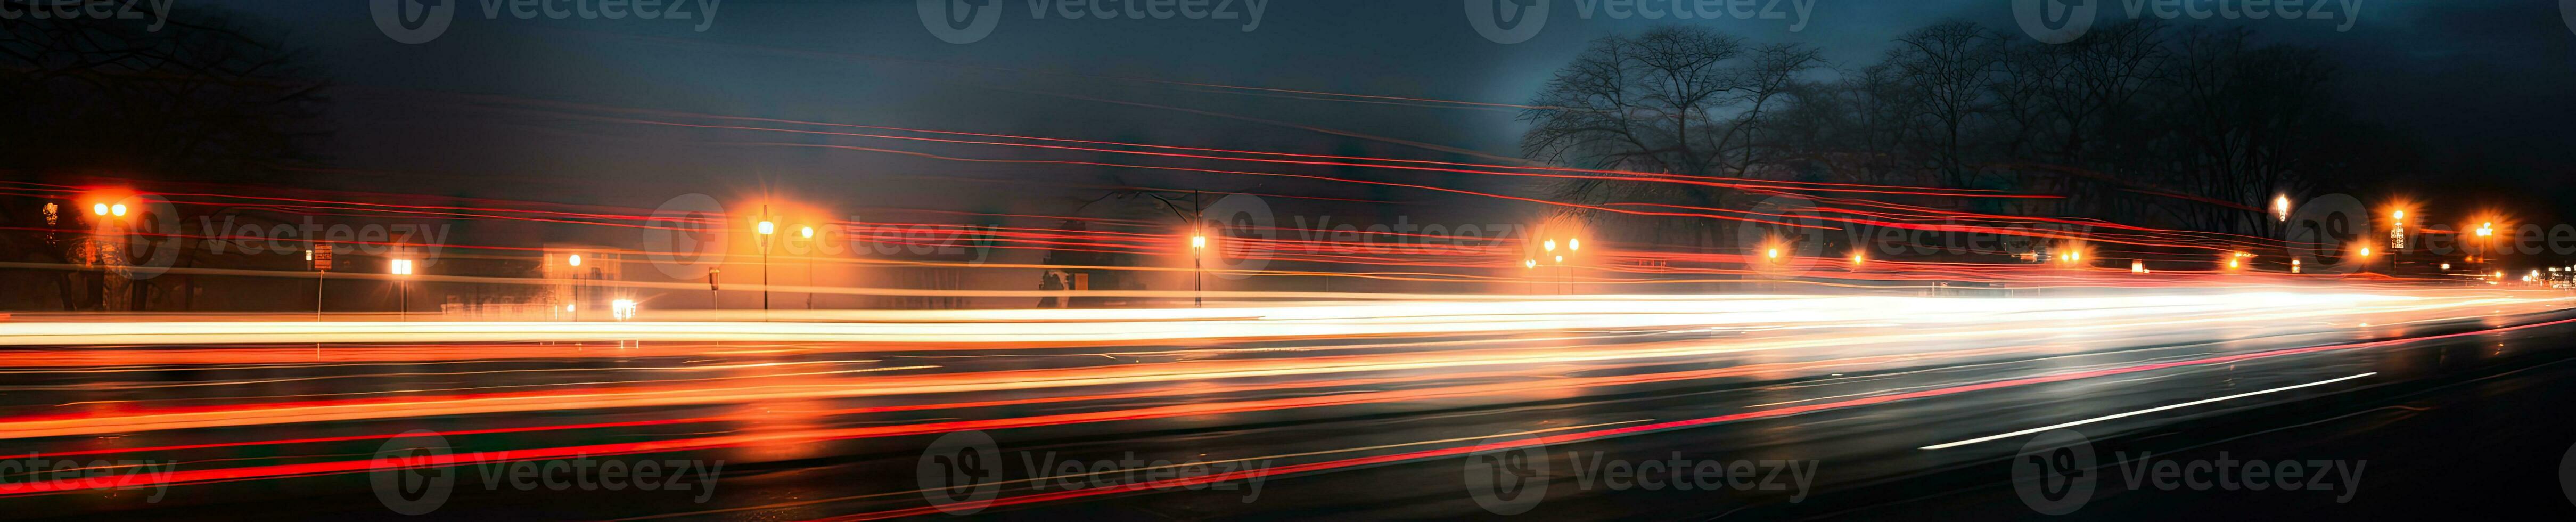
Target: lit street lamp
[[1198, 272], [2486, 242], [764, 229], [402, 273], [575, 261]]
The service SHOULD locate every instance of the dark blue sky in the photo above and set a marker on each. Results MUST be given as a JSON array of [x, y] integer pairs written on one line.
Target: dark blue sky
[[2486, 79]]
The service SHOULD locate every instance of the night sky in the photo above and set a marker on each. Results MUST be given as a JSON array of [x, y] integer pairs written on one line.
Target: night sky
[[2482, 81]]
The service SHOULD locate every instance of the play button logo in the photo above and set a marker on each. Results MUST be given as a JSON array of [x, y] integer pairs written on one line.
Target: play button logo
[[413, 21]]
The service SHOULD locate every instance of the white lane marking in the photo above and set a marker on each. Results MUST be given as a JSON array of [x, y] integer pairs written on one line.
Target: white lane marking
[[2140, 412]]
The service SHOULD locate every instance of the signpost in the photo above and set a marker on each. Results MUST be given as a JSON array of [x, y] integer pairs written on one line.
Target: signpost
[[320, 259]]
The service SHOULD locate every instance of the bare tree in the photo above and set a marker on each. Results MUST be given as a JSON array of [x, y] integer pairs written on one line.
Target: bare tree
[[2058, 96], [2240, 112], [1946, 69], [1673, 100], [204, 97]]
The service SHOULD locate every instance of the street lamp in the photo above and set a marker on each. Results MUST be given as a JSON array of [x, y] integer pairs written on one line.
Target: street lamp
[[2486, 242], [117, 209], [764, 229], [98, 209], [402, 273], [1532, 278], [2281, 207], [2396, 234], [1574, 244], [1198, 269], [575, 261]]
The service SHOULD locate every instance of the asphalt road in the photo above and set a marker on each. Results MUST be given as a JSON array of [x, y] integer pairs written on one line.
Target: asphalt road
[[2468, 423]]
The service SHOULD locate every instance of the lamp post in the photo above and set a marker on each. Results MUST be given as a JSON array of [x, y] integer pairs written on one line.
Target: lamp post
[[2486, 242], [1531, 264], [764, 229], [99, 246], [2396, 237], [575, 308], [402, 278], [1198, 274]]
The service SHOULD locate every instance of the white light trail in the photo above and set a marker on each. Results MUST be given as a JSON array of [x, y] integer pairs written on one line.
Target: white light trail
[[2140, 412]]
